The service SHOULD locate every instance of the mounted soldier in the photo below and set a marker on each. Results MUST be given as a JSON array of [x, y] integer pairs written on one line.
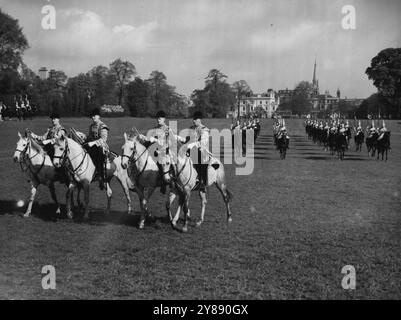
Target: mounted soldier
[[200, 139], [47, 140], [52, 133], [97, 146], [160, 134]]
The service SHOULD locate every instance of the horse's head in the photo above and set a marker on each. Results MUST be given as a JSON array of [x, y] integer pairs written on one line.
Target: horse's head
[[128, 149], [22, 146], [164, 161], [60, 150]]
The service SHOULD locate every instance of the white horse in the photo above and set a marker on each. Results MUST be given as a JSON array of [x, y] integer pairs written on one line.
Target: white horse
[[185, 179], [82, 170], [143, 170], [38, 166]]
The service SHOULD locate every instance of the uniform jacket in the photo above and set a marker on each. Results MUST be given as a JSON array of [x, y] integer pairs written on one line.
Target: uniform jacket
[[98, 132], [200, 135], [52, 133]]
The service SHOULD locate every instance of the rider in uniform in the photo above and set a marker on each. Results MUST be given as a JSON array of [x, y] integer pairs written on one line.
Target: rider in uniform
[[200, 139], [160, 134], [53, 132], [97, 146], [48, 139]]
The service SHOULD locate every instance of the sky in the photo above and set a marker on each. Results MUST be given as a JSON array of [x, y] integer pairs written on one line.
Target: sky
[[268, 43]]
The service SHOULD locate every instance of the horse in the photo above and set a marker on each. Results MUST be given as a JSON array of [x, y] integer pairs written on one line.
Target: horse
[[383, 144], [185, 181], [359, 138], [371, 143], [143, 170], [341, 145], [282, 145], [39, 168], [79, 164]]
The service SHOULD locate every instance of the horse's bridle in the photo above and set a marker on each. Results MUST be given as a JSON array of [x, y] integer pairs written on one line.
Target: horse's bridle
[[64, 159], [28, 166]]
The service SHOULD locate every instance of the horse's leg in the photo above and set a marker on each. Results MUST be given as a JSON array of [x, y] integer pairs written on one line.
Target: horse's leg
[[142, 202], [34, 188], [86, 200], [69, 199], [124, 185], [109, 194], [150, 192], [186, 209], [202, 195], [177, 213], [170, 200], [54, 197], [226, 197]]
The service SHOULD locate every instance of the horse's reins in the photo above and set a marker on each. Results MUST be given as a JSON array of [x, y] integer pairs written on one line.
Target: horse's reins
[[131, 161], [28, 166], [64, 158]]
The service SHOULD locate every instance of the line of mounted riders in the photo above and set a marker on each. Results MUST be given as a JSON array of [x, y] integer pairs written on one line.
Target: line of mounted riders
[[23, 109], [336, 136], [281, 137], [241, 127], [161, 158]]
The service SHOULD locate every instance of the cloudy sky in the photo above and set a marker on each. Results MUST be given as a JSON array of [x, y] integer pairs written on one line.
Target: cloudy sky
[[268, 43]]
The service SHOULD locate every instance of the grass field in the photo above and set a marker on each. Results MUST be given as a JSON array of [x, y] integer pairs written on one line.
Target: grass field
[[296, 223]]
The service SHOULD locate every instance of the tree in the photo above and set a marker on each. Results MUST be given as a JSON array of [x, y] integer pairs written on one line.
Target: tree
[[375, 105], [137, 92], [300, 99], [241, 88], [123, 72], [217, 95], [12, 42], [385, 71], [159, 90]]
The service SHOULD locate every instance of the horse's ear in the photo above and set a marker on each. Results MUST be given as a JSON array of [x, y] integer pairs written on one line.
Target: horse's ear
[[125, 136], [19, 135]]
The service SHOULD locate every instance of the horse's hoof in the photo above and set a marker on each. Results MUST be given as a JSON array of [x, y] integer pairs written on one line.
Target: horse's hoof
[[184, 229], [229, 220], [26, 215], [58, 211], [69, 215], [198, 224], [141, 225]]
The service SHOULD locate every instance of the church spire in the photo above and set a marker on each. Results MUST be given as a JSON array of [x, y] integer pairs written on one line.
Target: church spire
[[314, 74]]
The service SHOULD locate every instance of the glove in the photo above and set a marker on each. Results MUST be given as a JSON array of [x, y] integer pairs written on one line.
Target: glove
[[91, 144], [45, 142]]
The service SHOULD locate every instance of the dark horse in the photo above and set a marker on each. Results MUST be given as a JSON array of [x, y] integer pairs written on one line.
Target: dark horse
[[371, 143], [341, 145], [282, 145], [359, 139], [383, 145]]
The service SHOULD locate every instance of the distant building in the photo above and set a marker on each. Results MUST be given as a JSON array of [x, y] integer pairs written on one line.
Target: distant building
[[264, 104], [323, 102], [43, 73]]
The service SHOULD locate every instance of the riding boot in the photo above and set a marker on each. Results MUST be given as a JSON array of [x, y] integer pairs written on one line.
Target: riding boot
[[203, 177], [101, 176]]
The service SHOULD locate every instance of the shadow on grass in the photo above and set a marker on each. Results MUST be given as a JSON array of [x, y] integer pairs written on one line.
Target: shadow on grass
[[46, 212], [99, 217]]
